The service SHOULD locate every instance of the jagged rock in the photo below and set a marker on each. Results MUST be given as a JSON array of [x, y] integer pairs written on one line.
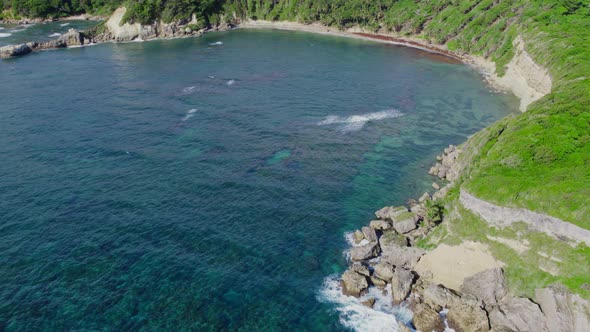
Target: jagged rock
[[427, 319], [518, 314], [390, 212], [564, 310], [369, 303], [488, 286], [358, 236], [395, 250], [353, 283], [392, 239], [401, 284], [380, 224], [360, 269], [384, 271], [364, 252], [72, 38], [407, 224], [377, 282], [369, 234], [425, 197], [442, 172], [434, 169], [468, 318], [403, 328], [14, 50], [439, 297]]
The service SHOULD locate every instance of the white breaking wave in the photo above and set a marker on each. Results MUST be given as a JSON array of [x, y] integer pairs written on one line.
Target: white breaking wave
[[230, 82], [2, 35], [189, 114], [216, 43], [55, 34], [357, 122], [64, 24], [358, 317]]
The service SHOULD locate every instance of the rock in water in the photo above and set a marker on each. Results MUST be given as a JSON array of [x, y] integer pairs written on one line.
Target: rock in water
[[465, 317], [369, 234], [518, 314], [401, 284], [353, 283], [369, 303], [360, 269], [358, 236], [396, 252], [427, 319], [362, 253], [379, 283], [488, 286], [14, 50]]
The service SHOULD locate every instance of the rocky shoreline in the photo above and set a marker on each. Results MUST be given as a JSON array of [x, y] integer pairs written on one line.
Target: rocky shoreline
[[384, 255]]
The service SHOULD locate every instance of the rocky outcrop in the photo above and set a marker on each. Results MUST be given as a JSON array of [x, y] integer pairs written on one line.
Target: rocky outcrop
[[15, 50], [564, 311], [488, 286], [500, 216], [401, 284], [354, 283], [364, 252], [518, 314], [427, 319], [444, 168]]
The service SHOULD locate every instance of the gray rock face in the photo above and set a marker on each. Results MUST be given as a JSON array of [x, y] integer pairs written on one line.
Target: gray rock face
[[427, 319], [369, 234], [564, 311], [72, 38], [468, 318], [518, 314], [377, 282], [403, 256], [439, 297], [380, 224], [360, 269], [401, 284], [358, 236], [390, 212], [391, 239], [488, 286], [14, 50], [364, 252], [384, 271], [405, 226], [353, 283]]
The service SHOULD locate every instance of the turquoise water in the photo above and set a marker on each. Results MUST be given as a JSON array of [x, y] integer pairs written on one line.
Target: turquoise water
[[174, 185], [41, 32]]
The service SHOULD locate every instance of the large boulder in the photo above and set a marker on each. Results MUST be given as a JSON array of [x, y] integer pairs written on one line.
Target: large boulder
[[380, 224], [391, 239], [401, 284], [440, 297], [405, 222], [364, 252], [360, 269], [353, 283], [468, 318], [395, 250], [384, 271], [518, 314], [488, 286], [358, 236], [369, 234], [427, 319], [390, 212], [14, 50], [564, 310]]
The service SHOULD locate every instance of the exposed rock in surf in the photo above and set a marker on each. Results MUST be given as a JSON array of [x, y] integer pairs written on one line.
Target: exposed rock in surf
[[427, 319], [488, 286], [358, 236], [401, 284], [364, 252], [384, 271], [369, 234], [369, 303], [360, 269], [353, 283], [378, 282], [15, 50]]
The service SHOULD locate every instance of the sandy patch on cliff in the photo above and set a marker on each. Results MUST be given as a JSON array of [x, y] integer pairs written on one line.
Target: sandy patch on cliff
[[450, 265]]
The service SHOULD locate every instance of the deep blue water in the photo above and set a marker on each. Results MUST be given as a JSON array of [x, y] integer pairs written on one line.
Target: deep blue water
[[173, 185]]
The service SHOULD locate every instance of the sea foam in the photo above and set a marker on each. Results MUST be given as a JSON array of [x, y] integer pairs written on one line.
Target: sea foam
[[230, 82], [189, 114], [358, 317], [216, 43], [55, 34], [2, 35], [357, 122], [64, 24]]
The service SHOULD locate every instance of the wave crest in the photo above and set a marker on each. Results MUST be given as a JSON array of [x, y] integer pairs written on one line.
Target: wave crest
[[357, 122]]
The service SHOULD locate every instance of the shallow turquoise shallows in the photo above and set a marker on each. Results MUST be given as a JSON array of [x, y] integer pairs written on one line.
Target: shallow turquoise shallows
[[196, 185]]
